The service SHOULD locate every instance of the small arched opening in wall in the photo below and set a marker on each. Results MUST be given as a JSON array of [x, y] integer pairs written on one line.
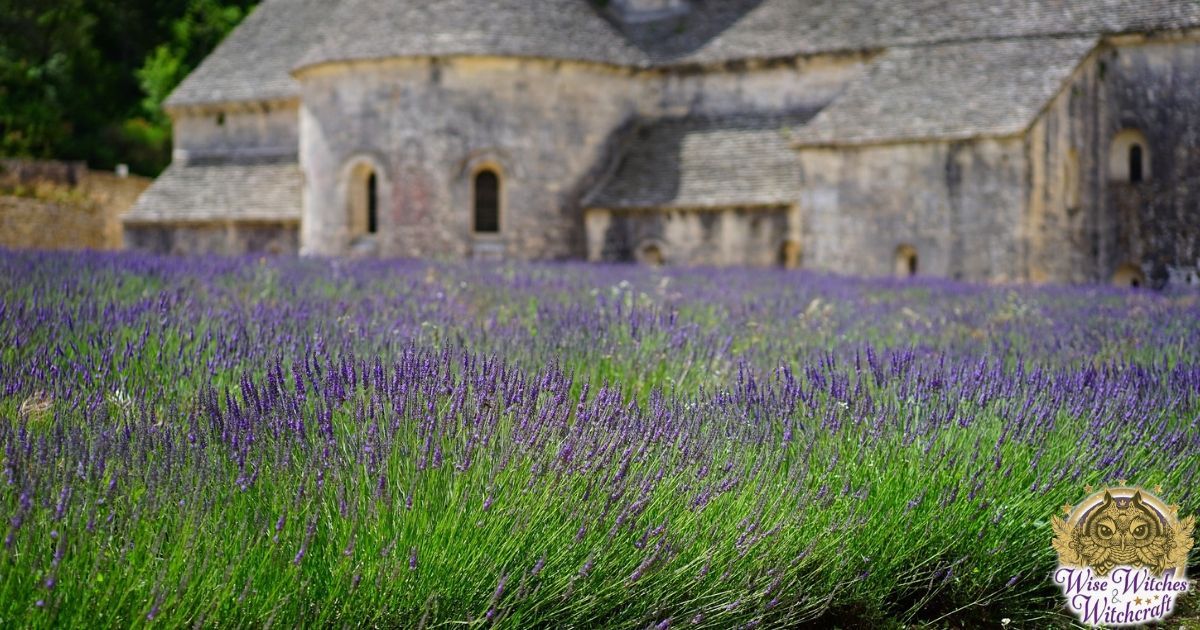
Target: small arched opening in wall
[[1129, 276], [906, 264], [651, 253], [486, 189], [1129, 157], [1071, 180], [789, 254], [364, 192]]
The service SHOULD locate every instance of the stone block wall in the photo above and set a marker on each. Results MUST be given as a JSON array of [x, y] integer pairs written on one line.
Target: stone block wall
[[63, 205], [784, 86], [1087, 221], [227, 239], [427, 127], [958, 205], [1152, 87], [703, 237], [218, 131]]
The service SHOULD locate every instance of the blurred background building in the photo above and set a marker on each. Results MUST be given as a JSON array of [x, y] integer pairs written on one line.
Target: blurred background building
[[1017, 140]]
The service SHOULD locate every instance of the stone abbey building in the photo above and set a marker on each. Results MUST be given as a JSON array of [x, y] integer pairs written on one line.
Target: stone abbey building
[[1008, 140]]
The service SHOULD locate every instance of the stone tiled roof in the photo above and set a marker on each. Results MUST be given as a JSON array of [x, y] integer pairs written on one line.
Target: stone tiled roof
[[721, 30], [253, 62], [948, 91], [705, 163], [264, 191], [281, 35], [557, 29]]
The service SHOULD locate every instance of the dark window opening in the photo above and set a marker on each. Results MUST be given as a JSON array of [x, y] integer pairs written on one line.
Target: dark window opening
[[487, 203], [221, 119], [652, 255], [789, 255], [372, 204], [1129, 275], [1135, 164]]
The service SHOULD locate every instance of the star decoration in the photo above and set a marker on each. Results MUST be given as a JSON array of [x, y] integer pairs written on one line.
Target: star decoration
[[1121, 481], [1137, 601], [1158, 489], [1174, 510], [1088, 488], [1066, 508]]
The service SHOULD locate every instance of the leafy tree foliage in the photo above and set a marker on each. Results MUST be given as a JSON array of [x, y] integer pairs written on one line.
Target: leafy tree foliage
[[85, 79]]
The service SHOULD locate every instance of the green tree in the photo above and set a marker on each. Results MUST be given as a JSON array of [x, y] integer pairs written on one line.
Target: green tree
[[41, 46], [85, 79]]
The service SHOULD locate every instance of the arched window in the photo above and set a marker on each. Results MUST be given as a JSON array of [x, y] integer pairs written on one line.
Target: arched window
[[1071, 179], [1135, 163], [789, 254], [487, 202], [372, 204], [363, 200], [1129, 158], [1129, 275], [651, 254], [906, 261]]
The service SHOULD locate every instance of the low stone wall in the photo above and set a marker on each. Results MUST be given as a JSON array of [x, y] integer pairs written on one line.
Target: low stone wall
[[63, 205], [756, 237], [230, 239]]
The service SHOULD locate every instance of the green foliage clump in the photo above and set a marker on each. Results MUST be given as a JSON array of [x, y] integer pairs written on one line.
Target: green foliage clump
[[86, 79]]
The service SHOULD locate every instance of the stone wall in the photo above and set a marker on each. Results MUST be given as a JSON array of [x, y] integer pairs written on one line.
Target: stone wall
[[1086, 220], [428, 127], [63, 205], [228, 239], [796, 85], [959, 205], [216, 131], [710, 237], [550, 129], [1152, 87], [1062, 221]]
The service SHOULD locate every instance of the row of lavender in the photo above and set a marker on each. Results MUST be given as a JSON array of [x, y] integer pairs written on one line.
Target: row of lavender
[[414, 443]]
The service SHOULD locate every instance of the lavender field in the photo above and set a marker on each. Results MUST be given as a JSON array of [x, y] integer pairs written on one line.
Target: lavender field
[[248, 442]]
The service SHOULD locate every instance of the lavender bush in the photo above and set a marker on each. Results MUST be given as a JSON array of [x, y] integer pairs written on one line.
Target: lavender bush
[[411, 444]]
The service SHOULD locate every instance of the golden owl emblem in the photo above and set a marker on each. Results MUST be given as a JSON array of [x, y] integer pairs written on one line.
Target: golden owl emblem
[[1123, 527]]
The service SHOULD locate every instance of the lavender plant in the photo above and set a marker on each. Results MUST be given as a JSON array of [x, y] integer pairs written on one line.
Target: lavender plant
[[412, 444]]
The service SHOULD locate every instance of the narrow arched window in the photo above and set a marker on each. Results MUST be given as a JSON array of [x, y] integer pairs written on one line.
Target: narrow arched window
[[1130, 158], [1136, 158], [487, 202], [906, 261], [1071, 180], [362, 203], [372, 204]]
